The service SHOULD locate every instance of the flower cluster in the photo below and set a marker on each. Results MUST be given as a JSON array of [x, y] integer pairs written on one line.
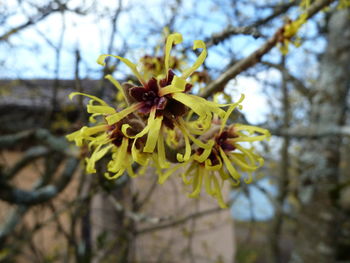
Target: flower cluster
[[291, 28], [304, 4], [163, 119], [289, 33], [154, 65]]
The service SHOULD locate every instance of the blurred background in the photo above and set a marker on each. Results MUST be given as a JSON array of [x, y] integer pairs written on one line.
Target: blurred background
[[296, 210]]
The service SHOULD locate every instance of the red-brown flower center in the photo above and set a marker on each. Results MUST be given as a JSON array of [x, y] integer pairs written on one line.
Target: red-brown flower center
[[166, 106]]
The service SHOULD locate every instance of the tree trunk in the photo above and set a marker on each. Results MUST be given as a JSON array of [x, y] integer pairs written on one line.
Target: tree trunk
[[320, 221]]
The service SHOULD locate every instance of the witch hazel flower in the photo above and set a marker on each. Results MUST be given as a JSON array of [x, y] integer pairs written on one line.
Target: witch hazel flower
[[225, 160], [104, 138], [160, 117], [164, 100]]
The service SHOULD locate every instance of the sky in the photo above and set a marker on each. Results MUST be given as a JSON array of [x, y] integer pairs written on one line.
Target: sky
[[253, 204]]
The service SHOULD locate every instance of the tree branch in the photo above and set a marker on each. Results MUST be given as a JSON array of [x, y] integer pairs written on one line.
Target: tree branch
[[29, 156], [14, 195], [41, 136], [312, 131], [255, 57], [180, 221], [298, 84], [230, 31], [43, 13]]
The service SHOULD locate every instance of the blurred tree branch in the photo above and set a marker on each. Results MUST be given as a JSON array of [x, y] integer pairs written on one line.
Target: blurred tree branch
[[251, 29], [219, 83], [17, 196], [283, 177], [29, 156], [298, 84], [312, 131], [42, 136], [43, 12], [179, 221]]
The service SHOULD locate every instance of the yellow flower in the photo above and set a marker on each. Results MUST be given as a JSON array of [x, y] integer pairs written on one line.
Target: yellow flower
[[159, 105], [289, 33], [163, 100], [154, 65], [343, 4], [105, 138], [225, 159], [305, 4], [159, 120]]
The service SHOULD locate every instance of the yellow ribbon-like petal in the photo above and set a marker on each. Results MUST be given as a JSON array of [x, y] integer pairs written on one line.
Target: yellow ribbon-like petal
[[197, 184], [177, 85], [175, 38], [125, 128], [189, 173], [217, 193], [164, 176], [76, 137], [153, 133], [210, 167], [117, 175], [131, 172], [229, 111], [249, 178], [199, 126], [73, 94], [119, 161], [100, 139], [191, 102], [92, 117], [96, 155], [140, 158], [233, 172], [117, 85], [197, 44], [253, 158], [88, 131], [182, 126], [163, 163], [100, 109], [185, 157], [212, 187], [225, 176], [116, 117], [240, 161], [84, 134], [252, 129], [200, 105], [145, 130], [132, 66], [202, 157]]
